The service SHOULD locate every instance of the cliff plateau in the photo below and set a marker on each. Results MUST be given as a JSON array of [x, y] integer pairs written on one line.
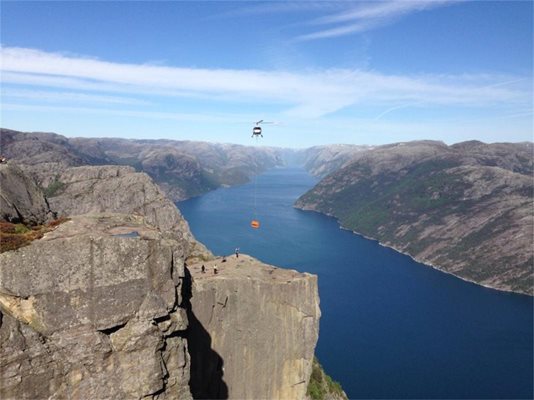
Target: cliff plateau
[[244, 289]]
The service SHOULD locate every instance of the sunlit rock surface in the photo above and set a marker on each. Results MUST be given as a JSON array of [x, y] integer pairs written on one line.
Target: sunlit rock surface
[[94, 310], [253, 330]]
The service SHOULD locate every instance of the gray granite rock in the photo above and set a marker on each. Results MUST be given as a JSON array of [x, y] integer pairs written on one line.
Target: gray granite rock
[[85, 313], [101, 306], [110, 188], [21, 200], [253, 330]]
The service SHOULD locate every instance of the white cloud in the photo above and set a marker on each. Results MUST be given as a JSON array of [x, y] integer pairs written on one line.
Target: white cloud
[[369, 15], [309, 94], [381, 10], [347, 16], [60, 97], [276, 7]]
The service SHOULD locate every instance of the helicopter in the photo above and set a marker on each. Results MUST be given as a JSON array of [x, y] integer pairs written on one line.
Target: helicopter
[[256, 131]]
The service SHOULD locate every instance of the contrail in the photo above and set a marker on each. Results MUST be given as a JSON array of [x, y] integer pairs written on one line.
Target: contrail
[[393, 109]]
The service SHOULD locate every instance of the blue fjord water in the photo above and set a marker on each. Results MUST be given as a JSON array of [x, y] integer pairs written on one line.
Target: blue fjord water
[[390, 327]]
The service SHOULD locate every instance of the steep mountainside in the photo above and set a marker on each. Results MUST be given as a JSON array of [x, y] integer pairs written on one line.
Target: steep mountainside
[[465, 209], [285, 303], [181, 168], [322, 160], [101, 306]]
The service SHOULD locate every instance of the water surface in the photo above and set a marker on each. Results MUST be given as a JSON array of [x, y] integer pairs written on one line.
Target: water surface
[[390, 327]]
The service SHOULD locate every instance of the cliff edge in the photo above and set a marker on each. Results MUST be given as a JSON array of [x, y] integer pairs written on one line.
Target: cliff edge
[[262, 323]]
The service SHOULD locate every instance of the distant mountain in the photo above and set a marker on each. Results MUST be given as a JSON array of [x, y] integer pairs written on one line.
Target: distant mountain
[[466, 209], [181, 168], [322, 160]]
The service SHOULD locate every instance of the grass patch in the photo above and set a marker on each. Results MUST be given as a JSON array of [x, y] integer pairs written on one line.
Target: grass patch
[[15, 236], [322, 386], [54, 188]]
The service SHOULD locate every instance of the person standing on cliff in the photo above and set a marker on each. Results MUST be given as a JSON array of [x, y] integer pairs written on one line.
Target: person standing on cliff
[[237, 252], [215, 269], [203, 268]]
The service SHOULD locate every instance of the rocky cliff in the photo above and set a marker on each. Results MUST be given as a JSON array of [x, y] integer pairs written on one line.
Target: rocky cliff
[[90, 312], [465, 209], [102, 305], [21, 201], [260, 323], [119, 189], [95, 189]]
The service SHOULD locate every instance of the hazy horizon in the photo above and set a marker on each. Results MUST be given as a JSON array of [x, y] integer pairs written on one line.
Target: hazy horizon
[[259, 144]]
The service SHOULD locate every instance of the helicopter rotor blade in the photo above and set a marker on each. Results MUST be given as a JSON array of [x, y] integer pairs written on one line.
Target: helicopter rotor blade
[[268, 122]]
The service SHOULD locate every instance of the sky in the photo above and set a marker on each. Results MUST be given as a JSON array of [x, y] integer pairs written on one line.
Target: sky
[[320, 71]]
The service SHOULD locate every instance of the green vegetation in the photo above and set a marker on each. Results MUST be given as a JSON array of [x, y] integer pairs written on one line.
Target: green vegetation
[[15, 236], [322, 386], [438, 209], [20, 229], [54, 188], [372, 203]]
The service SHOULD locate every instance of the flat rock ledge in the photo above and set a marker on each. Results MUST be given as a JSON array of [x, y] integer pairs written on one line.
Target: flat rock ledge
[[251, 322]]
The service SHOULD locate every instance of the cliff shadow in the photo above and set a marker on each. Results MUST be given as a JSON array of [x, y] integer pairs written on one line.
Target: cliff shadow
[[206, 381]]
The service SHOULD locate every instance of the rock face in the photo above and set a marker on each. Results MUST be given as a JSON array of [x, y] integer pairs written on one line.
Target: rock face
[[253, 330], [97, 189], [465, 209], [21, 201], [89, 312]]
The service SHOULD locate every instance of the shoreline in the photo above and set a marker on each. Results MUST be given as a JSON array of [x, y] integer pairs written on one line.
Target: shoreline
[[425, 263]]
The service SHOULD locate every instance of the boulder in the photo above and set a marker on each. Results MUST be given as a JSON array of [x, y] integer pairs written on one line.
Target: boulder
[[21, 200]]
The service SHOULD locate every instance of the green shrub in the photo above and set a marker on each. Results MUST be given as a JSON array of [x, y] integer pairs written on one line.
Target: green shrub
[[20, 228], [54, 188], [321, 385]]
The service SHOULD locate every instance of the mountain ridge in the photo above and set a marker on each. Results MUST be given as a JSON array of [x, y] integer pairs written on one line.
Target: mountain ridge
[[183, 169], [465, 208]]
